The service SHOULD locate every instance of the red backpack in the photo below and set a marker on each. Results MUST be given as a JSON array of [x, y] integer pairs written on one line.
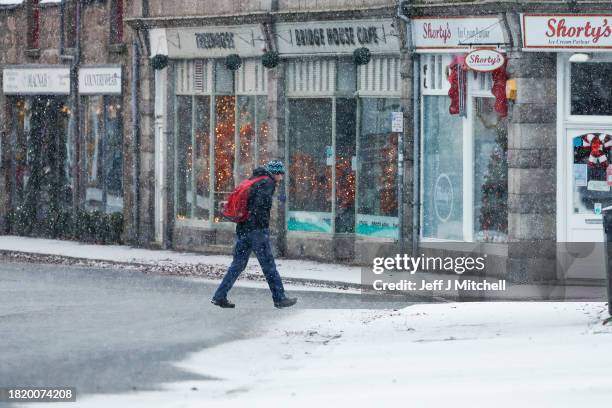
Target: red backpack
[[237, 207]]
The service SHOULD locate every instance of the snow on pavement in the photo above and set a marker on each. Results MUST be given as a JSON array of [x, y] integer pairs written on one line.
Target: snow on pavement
[[431, 355], [288, 268]]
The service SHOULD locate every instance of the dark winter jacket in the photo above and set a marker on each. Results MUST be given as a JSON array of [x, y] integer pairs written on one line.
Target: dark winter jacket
[[260, 203]]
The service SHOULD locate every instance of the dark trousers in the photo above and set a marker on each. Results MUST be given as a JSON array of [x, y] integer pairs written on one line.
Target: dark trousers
[[257, 241]]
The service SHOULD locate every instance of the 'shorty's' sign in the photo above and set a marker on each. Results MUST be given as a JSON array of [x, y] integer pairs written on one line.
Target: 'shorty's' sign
[[456, 32], [564, 31]]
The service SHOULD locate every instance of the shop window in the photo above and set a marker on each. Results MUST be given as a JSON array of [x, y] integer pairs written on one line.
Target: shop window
[[442, 170], [590, 89], [346, 160], [310, 164], [33, 15], [459, 152], [116, 21], [342, 141], [103, 157], [206, 100], [225, 154], [490, 173], [377, 168]]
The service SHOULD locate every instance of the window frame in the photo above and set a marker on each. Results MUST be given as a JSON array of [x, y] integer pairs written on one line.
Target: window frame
[[478, 86], [211, 92], [116, 18], [567, 100], [333, 95], [33, 24]]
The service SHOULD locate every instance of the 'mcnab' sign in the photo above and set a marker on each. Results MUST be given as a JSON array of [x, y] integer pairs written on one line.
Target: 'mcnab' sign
[[484, 60]]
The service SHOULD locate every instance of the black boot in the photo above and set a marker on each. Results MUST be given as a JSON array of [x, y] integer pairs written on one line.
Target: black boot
[[286, 302], [224, 303]]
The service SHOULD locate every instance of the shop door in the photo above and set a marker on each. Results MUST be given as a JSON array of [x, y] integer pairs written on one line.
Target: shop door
[[587, 152]]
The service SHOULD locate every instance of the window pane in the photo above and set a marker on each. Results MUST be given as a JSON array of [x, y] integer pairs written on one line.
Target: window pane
[[93, 159], [246, 128], [113, 155], [377, 161], [591, 84], [262, 126], [224, 151], [442, 170], [310, 160], [201, 160], [183, 159], [345, 159], [589, 181], [490, 173]]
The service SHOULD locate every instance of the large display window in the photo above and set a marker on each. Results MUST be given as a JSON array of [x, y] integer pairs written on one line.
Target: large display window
[[221, 134], [102, 135], [464, 169], [342, 153]]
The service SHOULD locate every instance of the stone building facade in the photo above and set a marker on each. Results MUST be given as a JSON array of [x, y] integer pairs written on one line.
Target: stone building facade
[[66, 142], [392, 141]]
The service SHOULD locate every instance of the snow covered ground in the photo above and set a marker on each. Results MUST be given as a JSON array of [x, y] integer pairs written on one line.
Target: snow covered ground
[[433, 355]]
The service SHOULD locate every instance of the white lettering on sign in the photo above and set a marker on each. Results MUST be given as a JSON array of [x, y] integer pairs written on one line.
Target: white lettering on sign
[[100, 80], [484, 60], [456, 32], [565, 31], [36, 80]]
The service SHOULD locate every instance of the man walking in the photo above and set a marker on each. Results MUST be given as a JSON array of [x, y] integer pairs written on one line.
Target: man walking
[[254, 235]]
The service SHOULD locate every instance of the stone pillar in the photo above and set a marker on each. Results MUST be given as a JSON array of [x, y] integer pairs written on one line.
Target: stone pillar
[[407, 78], [531, 168], [276, 150], [147, 151]]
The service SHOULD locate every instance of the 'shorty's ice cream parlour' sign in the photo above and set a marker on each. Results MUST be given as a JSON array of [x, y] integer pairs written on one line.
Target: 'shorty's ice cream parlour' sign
[[564, 31], [436, 33]]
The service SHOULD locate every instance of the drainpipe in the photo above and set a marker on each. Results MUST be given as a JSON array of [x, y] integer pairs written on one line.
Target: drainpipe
[[416, 144], [136, 140]]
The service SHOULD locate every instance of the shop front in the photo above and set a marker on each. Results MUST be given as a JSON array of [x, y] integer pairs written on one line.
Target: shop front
[[100, 90], [211, 127], [582, 44], [39, 146], [342, 88], [464, 130], [323, 103]]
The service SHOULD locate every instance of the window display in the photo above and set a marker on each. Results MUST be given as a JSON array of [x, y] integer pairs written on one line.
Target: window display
[[377, 169], [442, 188], [237, 144], [490, 173], [103, 158], [310, 161]]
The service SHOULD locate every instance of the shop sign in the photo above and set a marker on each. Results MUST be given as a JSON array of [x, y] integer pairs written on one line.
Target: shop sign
[[310, 221], [377, 226], [208, 42], [36, 80], [566, 31], [337, 37], [484, 60], [397, 121], [456, 32], [100, 81]]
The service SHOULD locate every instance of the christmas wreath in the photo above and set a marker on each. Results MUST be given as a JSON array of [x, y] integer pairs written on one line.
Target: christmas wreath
[[159, 61], [597, 146], [270, 59], [361, 56], [233, 62]]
